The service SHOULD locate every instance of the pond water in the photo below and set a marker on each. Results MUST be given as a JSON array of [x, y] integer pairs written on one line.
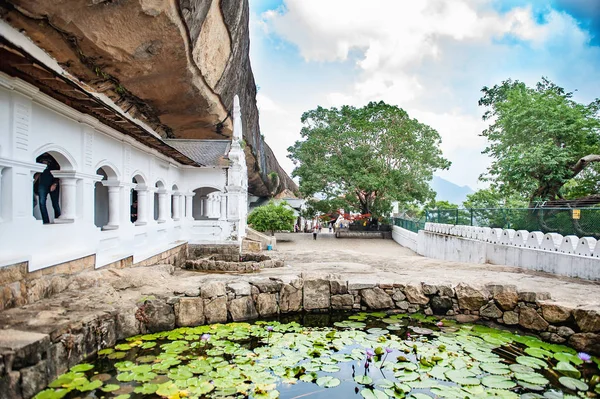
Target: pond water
[[363, 355]]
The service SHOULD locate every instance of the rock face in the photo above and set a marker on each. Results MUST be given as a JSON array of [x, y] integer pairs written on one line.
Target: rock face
[[176, 66]]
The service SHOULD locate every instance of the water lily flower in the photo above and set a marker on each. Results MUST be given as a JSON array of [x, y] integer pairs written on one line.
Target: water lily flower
[[269, 328], [370, 353], [205, 337], [439, 324], [389, 350], [584, 356]]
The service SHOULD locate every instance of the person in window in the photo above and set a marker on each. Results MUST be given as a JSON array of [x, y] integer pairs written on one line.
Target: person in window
[[46, 184]]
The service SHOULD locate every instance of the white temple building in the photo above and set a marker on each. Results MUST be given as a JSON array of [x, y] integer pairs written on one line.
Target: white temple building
[[123, 190]]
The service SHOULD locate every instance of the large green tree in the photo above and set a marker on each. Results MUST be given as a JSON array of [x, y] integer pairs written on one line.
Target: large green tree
[[367, 157], [540, 139]]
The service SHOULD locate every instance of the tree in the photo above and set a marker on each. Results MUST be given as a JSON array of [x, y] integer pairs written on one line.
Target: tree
[[491, 198], [539, 140], [365, 158], [272, 217]]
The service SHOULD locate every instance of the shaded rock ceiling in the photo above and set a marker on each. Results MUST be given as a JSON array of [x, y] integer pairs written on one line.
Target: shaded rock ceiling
[[175, 65]]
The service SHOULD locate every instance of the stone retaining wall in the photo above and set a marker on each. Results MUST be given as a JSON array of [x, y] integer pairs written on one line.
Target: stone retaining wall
[[28, 361], [363, 234], [244, 263], [20, 287]]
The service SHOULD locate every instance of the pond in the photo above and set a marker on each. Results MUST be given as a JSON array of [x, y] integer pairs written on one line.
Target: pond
[[363, 355]]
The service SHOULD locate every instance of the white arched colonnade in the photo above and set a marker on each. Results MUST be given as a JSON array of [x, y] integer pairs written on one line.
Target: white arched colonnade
[[101, 173]]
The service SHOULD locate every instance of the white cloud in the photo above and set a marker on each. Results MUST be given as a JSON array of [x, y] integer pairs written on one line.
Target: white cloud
[[430, 57]]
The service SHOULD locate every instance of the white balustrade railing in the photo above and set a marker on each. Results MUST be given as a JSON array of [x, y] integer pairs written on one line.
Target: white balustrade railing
[[554, 242]]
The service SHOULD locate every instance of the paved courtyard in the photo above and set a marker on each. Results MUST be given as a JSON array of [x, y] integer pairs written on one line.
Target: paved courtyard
[[356, 260], [380, 259]]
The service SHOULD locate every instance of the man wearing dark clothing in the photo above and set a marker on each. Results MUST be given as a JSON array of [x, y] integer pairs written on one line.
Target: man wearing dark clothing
[[46, 184]]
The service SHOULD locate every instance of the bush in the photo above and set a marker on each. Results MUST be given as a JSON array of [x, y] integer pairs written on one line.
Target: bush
[[272, 217]]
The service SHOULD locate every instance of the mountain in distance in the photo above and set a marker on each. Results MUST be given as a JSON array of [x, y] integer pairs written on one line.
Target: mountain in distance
[[448, 191]]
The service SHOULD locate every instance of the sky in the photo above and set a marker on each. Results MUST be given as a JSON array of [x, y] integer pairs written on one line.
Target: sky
[[429, 57]]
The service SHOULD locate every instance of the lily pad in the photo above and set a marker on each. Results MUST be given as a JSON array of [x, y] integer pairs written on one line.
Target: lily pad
[[328, 382], [573, 384], [368, 393]]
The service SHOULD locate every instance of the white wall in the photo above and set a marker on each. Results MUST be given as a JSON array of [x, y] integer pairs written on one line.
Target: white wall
[[552, 253], [32, 123]]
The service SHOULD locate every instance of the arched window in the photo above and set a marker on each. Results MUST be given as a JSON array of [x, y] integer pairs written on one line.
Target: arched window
[[205, 205], [106, 199], [138, 213], [55, 188]]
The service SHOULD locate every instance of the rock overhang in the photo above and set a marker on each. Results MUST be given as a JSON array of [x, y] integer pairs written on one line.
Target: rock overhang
[[175, 66]]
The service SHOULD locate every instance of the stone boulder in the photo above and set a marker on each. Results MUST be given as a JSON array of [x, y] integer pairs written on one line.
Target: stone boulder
[[490, 311], [160, 316], [215, 310], [530, 319], [554, 313], [510, 318], [376, 298], [587, 320], [266, 304], [290, 299], [342, 302], [213, 290], [189, 312], [586, 342], [414, 294], [242, 309], [506, 299], [470, 298], [440, 305], [316, 294]]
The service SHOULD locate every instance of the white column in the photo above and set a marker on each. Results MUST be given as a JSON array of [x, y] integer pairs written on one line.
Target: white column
[[114, 197], [223, 204], [142, 198], [162, 205], [68, 200], [175, 201], [188, 206]]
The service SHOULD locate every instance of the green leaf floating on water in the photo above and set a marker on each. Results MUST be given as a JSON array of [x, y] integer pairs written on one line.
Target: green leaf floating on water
[[82, 367], [369, 393], [567, 369], [146, 389], [110, 387], [573, 384], [363, 379], [328, 382], [497, 381], [52, 394], [539, 353], [533, 362]]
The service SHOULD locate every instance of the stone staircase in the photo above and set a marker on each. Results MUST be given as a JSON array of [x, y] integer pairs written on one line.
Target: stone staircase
[[256, 241]]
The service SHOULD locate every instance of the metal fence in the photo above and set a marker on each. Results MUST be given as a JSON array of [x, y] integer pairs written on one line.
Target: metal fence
[[413, 225], [566, 221]]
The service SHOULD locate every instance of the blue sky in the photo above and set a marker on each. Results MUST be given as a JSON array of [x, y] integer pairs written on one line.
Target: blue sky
[[429, 57]]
